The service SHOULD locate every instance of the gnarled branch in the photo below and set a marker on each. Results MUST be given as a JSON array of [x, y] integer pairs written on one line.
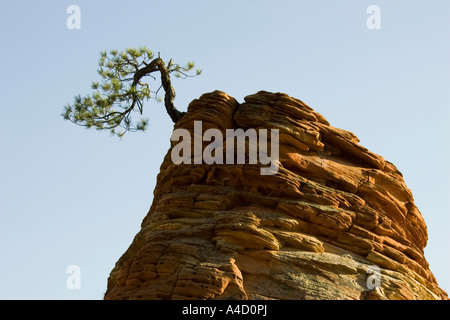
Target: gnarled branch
[[159, 65]]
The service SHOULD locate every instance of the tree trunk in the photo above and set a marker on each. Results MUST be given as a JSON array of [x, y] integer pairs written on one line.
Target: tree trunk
[[158, 64]]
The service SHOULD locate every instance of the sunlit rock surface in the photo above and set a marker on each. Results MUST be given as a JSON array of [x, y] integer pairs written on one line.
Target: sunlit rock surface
[[315, 230]]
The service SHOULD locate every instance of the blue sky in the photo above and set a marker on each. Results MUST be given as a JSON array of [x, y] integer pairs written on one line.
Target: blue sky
[[70, 196]]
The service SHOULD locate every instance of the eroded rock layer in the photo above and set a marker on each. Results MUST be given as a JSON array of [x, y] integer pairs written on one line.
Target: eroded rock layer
[[317, 229]]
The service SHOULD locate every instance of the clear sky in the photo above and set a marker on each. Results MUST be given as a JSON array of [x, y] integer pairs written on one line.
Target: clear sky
[[70, 196]]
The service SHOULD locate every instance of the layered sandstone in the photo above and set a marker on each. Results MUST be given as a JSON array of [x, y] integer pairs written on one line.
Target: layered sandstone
[[312, 231]]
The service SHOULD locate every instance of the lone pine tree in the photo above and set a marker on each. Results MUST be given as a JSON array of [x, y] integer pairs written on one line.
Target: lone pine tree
[[123, 89]]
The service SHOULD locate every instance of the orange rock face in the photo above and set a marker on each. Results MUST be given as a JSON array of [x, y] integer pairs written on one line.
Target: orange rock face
[[335, 222]]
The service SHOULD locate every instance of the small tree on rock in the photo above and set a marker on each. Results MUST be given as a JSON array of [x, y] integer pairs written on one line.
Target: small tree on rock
[[123, 90]]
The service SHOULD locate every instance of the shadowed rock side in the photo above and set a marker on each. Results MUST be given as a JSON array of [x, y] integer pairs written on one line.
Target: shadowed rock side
[[312, 231]]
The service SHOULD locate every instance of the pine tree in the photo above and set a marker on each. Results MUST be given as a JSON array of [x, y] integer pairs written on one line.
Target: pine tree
[[123, 90]]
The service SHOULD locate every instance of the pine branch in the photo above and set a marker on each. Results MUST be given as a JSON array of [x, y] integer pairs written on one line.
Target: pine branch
[[121, 91]]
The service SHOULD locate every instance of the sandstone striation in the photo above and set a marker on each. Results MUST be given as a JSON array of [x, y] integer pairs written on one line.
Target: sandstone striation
[[314, 230]]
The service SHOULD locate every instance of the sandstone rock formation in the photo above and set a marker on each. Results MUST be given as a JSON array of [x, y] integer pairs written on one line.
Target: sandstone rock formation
[[315, 230]]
